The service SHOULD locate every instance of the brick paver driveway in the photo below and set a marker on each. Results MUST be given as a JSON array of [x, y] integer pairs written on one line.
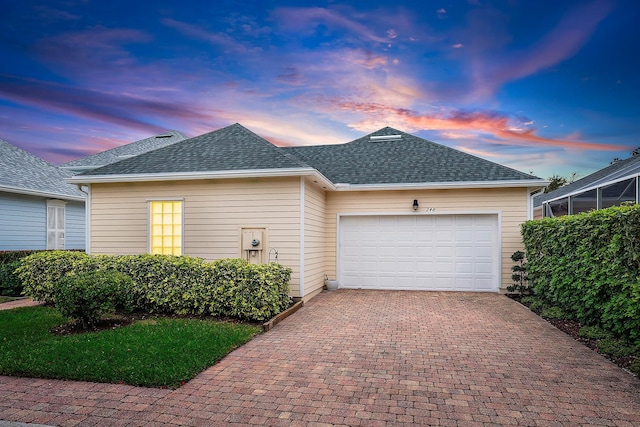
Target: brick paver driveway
[[369, 358]]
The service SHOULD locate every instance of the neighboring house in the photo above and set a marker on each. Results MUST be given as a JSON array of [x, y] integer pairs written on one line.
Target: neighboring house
[[38, 209], [611, 186], [124, 151], [385, 211]]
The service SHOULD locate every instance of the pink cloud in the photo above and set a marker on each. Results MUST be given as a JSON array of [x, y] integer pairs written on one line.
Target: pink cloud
[[493, 123]]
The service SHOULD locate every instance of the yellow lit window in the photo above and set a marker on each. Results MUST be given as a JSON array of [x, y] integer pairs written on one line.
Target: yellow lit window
[[166, 227]]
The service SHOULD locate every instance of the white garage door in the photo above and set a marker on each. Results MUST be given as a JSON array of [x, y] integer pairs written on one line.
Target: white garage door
[[426, 252]]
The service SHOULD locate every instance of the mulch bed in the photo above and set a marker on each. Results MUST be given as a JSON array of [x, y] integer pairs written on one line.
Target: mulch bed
[[572, 328]]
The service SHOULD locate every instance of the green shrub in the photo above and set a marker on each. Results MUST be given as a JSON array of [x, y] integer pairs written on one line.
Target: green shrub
[[594, 333], [635, 367], [10, 284], [41, 271], [172, 284], [533, 302], [555, 313], [615, 347], [519, 276], [589, 265], [89, 296]]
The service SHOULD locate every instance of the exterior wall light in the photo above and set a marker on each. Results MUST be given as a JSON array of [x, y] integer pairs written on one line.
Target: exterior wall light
[[415, 204]]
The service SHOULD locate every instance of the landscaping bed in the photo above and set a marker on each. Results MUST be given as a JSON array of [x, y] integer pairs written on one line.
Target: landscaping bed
[[615, 350]]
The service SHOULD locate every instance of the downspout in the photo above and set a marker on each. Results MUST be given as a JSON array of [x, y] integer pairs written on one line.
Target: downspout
[[530, 203], [302, 230], [87, 218]]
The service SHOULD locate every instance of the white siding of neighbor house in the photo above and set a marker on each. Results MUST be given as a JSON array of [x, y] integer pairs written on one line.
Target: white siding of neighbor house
[[215, 211], [314, 239], [23, 222], [510, 203]]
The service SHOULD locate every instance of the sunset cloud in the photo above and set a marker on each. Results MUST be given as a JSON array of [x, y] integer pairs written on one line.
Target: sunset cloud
[[490, 122]]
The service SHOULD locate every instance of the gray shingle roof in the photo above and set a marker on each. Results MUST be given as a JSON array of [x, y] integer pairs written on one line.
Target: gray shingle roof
[[22, 172], [404, 160], [616, 170], [228, 149], [387, 156], [124, 151]]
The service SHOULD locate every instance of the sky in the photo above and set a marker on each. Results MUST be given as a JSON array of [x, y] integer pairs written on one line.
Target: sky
[[548, 87]]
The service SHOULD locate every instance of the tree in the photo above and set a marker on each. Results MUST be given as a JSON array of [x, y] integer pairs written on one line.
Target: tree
[[557, 181]]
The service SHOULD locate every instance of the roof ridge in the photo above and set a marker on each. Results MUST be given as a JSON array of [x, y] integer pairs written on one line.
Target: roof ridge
[[272, 146]]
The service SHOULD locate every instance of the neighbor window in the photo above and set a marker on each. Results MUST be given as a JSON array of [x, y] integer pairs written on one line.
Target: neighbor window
[[55, 224], [166, 227]]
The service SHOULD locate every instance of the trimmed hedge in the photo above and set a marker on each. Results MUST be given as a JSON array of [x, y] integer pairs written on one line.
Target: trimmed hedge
[[171, 284], [10, 284], [589, 265]]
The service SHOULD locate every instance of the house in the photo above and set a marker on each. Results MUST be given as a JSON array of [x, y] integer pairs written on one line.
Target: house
[[42, 211], [124, 151], [39, 209], [386, 211], [610, 186]]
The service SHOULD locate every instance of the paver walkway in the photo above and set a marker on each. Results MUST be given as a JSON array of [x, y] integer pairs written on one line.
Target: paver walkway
[[368, 358], [23, 302]]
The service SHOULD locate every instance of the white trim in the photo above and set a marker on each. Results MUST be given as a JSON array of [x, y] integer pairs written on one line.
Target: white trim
[[324, 182], [81, 168], [302, 197], [498, 249], [441, 185], [59, 206], [181, 176], [40, 193], [87, 222], [531, 195]]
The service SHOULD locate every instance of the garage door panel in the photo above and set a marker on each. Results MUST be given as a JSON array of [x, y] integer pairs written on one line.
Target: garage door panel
[[437, 252]]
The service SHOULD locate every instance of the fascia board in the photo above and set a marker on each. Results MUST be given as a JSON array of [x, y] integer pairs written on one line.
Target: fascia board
[[443, 185], [184, 176], [36, 193]]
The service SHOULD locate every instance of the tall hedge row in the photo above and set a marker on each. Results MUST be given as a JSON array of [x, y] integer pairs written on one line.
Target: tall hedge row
[[589, 264], [170, 284]]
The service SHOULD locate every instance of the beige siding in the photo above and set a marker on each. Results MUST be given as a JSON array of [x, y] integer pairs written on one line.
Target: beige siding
[[314, 237], [511, 203], [215, 211]]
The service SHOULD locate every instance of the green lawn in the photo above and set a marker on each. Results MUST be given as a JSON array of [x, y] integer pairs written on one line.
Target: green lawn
[[159, 352]]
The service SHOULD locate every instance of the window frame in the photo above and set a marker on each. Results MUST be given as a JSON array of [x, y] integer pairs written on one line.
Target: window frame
[[150, 224], [57, 205]]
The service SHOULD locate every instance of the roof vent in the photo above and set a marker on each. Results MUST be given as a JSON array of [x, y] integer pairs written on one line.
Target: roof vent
[[381, 138], [164, 135]]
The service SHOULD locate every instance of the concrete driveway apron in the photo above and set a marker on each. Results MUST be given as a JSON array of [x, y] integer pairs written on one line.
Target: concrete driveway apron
[[368, 358]]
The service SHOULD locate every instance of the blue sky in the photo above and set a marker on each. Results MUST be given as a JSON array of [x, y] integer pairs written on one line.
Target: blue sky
[[545, 86]]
